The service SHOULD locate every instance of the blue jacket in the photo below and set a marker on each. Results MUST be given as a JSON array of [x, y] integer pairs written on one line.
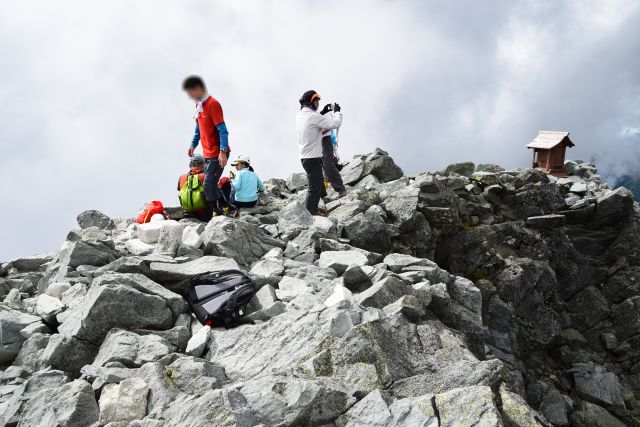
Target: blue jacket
[[246, 185]]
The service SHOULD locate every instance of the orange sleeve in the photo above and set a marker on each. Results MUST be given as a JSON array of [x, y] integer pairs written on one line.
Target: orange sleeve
[[216, 113]]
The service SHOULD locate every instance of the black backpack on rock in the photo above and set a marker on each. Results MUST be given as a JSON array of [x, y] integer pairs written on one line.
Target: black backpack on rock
[[218, 298]]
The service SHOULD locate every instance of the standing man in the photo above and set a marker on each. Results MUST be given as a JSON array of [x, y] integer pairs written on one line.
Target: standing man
[[309, 125], [212, 132]]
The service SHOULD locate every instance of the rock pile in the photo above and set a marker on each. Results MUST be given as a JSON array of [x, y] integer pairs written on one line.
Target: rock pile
[[471, 296]]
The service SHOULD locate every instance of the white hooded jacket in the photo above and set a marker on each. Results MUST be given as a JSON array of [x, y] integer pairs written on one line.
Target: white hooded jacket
[[309, 125]]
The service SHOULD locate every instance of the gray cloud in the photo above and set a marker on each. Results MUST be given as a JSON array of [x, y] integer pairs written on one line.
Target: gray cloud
[[92, 116]]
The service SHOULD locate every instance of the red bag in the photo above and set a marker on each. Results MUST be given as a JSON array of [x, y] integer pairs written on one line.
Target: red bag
[[149, 210]]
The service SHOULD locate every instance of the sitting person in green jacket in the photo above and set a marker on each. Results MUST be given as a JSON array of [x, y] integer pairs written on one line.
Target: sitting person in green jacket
[[245, 184]]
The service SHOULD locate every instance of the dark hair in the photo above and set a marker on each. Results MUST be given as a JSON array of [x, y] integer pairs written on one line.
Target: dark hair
[[193, 82]]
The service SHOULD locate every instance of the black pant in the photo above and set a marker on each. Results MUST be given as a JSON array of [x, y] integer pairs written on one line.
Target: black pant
[[313, 167], [238, 204], [212, 172], [329, 165]]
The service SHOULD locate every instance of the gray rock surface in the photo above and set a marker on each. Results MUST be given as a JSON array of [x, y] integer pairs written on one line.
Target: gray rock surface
[[340, 260], [239, 240], [473, 296], [109, 306], [11, 323], [130, 349], [294, 218], [126, 401], [93, 218], [70, 405]]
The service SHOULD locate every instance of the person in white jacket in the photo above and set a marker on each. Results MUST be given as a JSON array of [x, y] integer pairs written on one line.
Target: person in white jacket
[[309, 125]]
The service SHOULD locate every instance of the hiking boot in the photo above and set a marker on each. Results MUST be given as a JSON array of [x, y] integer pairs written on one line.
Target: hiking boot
[[231, 211]]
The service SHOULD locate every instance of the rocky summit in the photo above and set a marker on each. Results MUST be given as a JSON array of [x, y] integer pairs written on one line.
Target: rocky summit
[[471, 296]]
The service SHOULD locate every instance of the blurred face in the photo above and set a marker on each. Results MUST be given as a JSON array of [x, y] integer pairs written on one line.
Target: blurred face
[[196, 93], [239, 166], [197, 165], [316, 103]]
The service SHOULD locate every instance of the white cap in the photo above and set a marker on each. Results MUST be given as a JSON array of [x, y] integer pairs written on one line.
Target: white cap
[[241, 159]]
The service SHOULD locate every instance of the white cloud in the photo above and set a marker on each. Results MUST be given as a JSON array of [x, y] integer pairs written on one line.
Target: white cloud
[[91, 108]]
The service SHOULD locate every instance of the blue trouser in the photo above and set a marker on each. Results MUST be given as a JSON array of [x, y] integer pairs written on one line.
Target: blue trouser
[[212, 173]]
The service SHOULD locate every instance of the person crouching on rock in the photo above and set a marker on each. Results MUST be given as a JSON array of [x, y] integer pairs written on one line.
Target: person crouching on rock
[[211, 130], [245, 184], [309, 125], [191, 191]]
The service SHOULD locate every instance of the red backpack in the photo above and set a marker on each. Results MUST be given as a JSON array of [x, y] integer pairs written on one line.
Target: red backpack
[[149, 210]]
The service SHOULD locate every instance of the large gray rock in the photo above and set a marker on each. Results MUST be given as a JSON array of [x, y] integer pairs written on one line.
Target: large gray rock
[[32, 348], [368, 231], [590, 415], [340, 260], [131, 350], [296, 181], [472, 406], [516, 411], [67, 354], [294, 218], [382, 166], [93, 218], [612, 208], [12, 404], [304, 246], [107, 375], [239, 240], [145, 285], [11, 323], [288, 401], [86, 253], [31, 263], [126, 401], [402, 206], [170, 238], [47, 307], [69, 405], [110, 306], [378, 409], [555, 407], [594, 383], [384, 292], [397, 262], [130, 264], [178, 336], [178, 382], [176, 276], [198, 342], [268, 268], [463, 168], [209, 409], [356, 279]]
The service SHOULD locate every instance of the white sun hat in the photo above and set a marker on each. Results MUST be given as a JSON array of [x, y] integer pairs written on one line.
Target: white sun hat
[[242, 159]]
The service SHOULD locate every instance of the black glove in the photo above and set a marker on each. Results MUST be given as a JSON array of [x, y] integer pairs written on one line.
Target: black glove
[[326, 109], [336, 107]]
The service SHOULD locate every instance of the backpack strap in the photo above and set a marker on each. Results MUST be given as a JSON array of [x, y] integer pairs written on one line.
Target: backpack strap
[[232, 308]]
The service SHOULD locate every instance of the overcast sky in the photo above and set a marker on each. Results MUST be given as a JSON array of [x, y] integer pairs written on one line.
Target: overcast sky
[[92, 115]]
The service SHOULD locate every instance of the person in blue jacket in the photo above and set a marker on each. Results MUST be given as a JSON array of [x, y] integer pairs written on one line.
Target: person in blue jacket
[[245, 184]]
